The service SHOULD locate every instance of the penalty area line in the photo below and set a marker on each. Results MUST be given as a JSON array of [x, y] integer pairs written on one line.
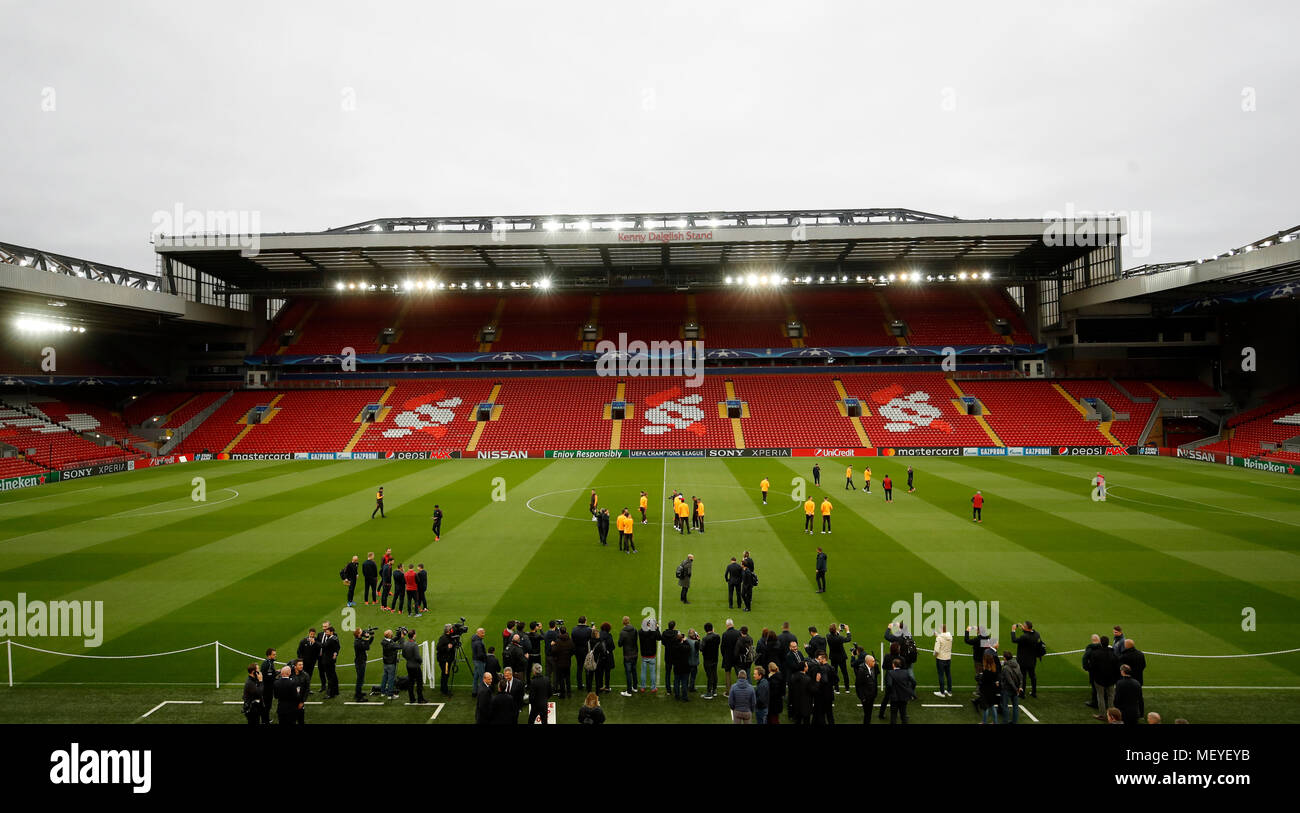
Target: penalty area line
[[168, 702]]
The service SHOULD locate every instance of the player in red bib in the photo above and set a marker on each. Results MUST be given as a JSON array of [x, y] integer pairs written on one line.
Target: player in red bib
[[977, 505], [888, 485]]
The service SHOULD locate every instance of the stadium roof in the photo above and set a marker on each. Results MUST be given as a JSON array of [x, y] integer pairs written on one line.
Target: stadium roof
[[692, 248], [1272, 261]]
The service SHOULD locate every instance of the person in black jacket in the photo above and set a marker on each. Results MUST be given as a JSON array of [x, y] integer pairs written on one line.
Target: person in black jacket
[[349, 575], [838, 636], [978, 641], [268, 684], [1103, 668], [1128, 696], [1088, 652], [399, 589], [539, 694], [729, 638], [669, 639], [562, 650], [253, 696], [503, 710], [868, 685], [990, 691], [596, 648], [580, 636], [360, 647], [1133, 658], [776, 693], [330, 646], [414, 675], [385, 584], [820, 566], [649, 638], [1028, 651], [748, 582], [627, 641], [445, 655], [602, 526], [309, 651], [304, 688], [483, 700], [901, 688], [733, 575], [824, 694], [710, 645], [422, 585], [514, 687], [390, 648], [288, 697], [370, 574], [800, 690], [744, 652]]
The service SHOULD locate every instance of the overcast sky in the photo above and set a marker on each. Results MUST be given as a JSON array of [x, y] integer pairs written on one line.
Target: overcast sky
[[316, 115]]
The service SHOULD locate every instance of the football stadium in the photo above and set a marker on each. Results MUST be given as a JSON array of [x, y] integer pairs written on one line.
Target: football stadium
[[981, 425]]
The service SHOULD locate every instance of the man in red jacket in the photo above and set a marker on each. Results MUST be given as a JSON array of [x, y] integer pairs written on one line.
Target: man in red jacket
[[412, 594], [977, 502]]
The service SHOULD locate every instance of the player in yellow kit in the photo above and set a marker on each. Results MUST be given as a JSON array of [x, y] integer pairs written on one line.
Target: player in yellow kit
[[699, 515], [809, 508], [826, 515], [866, 480], [645, 501], [683, 517], [848, 479], [763, 487]]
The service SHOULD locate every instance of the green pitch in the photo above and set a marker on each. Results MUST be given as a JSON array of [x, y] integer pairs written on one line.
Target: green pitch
[[1183, 555]]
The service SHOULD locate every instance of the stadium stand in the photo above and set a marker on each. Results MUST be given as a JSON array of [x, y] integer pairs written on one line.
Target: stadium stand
[[1034, 413], [18, 467], [793, 410], [542, 321], [47, 443], [852, 317], [307, 421], [430, 415], [444, 322], [914, 409], [1127, 432], [551, 413], [648, 317], [221, 427], [1170, 388], [1273, 422], [669, 416]]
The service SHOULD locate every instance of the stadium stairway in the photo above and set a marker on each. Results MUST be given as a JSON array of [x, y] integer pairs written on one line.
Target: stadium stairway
[[430, 415]]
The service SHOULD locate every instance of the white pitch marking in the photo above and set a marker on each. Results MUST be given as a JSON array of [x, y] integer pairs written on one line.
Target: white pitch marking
[[941, 705], [129, 513], [165, 702], [1028, 712], [437, 711]]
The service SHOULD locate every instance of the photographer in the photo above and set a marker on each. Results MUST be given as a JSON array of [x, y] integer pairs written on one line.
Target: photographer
[[390, 648], [446, 657], [361, 641], [253, 695]]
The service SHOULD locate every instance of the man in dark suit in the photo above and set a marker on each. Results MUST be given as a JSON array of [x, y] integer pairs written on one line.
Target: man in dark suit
[[437, 523], [539, 693], [330, 646], [514, 687], [1128, 695], [823, 691], [309, 652], [821, 570], [1028, 651], [729, 638], [268, 684], [445, 657], [747, 561], [503, 710], [303, 680], [385, 584], [422, 582], [370, 576], [868, 686], [602, 526], [733, 575], [1136, 662], [800, 690], [816, 643], [483, 700], [1103, 668], [414, 676], [399, 588], [901, 688], [288, 696], [349, 576]]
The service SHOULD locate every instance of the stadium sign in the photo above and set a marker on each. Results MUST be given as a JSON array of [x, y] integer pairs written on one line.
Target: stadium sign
[[584, 454], [28, 481], [94, 471], [1197, 454], [1081, 450], [1266, 465], [515, 454], [985, 451], [263, 456], [1029, 451], [920, 451], [664, 236], [848, 452], [165, 460]]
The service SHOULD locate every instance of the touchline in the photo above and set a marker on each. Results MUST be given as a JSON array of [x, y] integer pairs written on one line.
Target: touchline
[[53, 619]]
